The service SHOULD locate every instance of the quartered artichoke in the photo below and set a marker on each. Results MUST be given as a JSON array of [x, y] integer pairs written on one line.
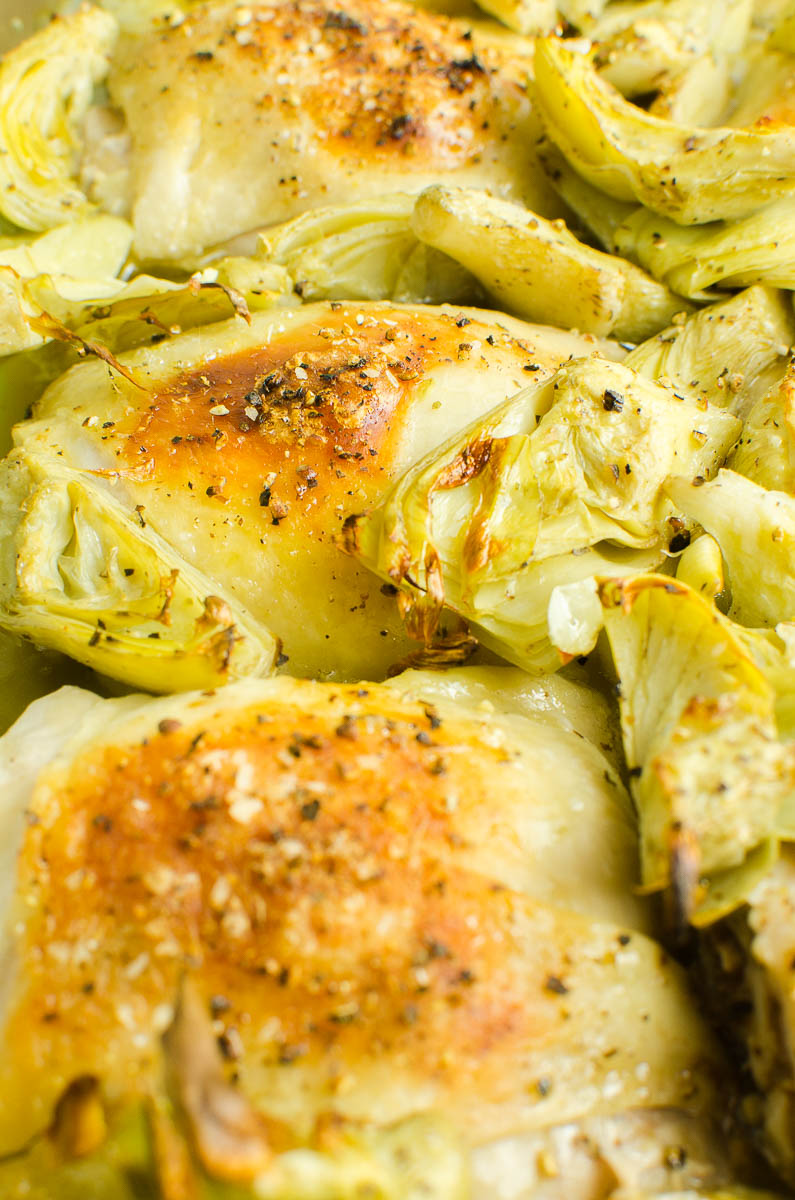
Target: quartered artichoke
[[82, 575], [46, 88], [561, 482], [708, 713], [755, 530], [729, 354], [641, 47], [692, 175], [538, 269], [367, 250]]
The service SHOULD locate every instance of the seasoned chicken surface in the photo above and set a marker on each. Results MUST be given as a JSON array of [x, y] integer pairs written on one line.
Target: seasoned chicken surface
[[395, 907], [240, 117], [246, 447]]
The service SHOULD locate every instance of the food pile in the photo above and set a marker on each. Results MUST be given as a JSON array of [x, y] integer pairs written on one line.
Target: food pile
[[397, 601]]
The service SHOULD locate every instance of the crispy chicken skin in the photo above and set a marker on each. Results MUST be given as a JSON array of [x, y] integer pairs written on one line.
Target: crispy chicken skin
[[245, 117], [361, 881], [248, 446]]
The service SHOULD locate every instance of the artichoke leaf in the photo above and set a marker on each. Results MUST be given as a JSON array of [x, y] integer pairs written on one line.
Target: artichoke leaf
[[121, 316], [366, 251], [766, 451], [691, 260], [46, 87], [538, 269], [639, 46], [729, 354], [700, 566], [690, 174], [755, 530], [560, 482], [712, 780], [597, 212], [85, 576], [697, 95]]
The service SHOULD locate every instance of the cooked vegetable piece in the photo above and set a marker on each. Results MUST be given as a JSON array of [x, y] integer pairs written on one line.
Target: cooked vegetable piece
[[755, 530], [710, 773], [692, 175], [698, 95], [46, 87], [561, 478], [692, 260], [765, 452], [641, 45], [729, 354], [366, 251], [700, 566], [83, 576], [538, 269]]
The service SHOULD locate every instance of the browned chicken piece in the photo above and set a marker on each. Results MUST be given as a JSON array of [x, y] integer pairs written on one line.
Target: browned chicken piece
[[242, 117], [394, 909]]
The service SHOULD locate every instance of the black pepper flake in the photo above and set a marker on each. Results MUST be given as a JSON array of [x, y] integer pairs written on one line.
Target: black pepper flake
[[288, 1054], [680, 541], [462, 321], [531, 367], [544, 1086], [102, 822], [556, 985], [265, 497], [309, 811], [388, 589], [204, 55], [282, 659], [675, 1157], [218, 1005], [434, 720], [400, 127], [613, 401], [424, 738], [341, 20], [624, 939], [347, 728]]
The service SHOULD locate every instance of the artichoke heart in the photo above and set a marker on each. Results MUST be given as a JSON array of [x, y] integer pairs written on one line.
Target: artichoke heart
[[691, 260], [561, 478], [755, 530], [538, 270], [641, 46], [692, 175], [46, 87], [712, 779], [729, 354], [366, 251], [766, 451], [84, 576]]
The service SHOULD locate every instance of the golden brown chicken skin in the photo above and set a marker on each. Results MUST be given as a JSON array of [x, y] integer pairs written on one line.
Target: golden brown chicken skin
[[242, 117], [325, 863]]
